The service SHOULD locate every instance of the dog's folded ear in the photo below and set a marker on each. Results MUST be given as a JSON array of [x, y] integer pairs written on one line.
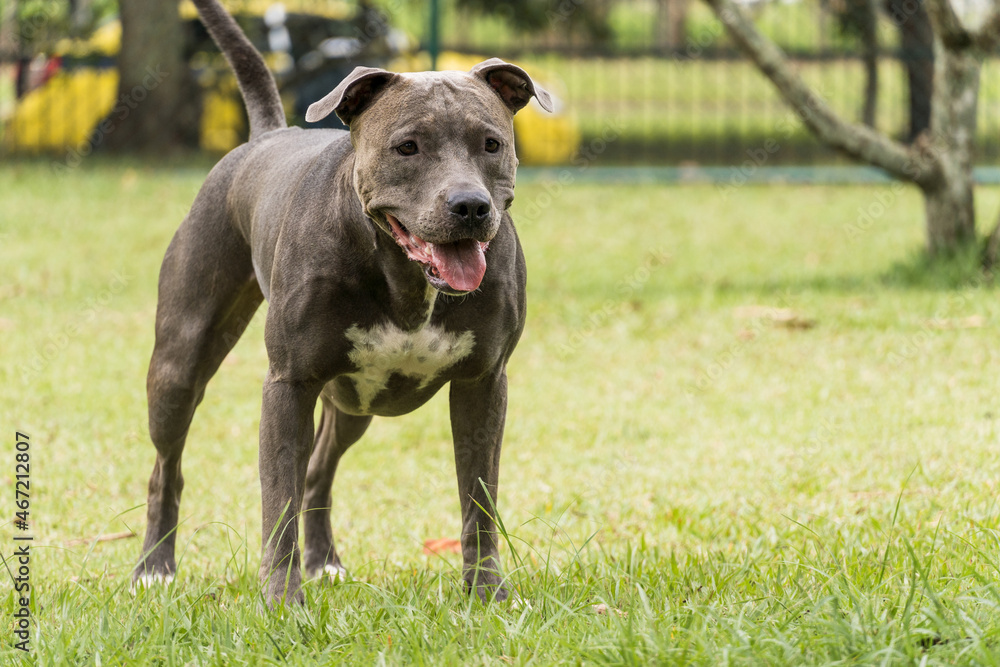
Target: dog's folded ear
[[512, 84], [352, 96]]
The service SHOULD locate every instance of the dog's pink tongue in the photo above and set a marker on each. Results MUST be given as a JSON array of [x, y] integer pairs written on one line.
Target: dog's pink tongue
[[461, 264]]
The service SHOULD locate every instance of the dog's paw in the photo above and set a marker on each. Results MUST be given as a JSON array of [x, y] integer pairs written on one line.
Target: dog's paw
[[277, 596], [488, 593], [518, 603], [148, 580], [331, 573], [324, 569]]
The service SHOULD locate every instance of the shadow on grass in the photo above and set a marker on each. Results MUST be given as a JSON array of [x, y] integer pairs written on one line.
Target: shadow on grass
[[784, 286], [57, 164], [961, 269]]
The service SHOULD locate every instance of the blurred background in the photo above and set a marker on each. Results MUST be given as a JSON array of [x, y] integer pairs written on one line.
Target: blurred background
[[643, 83]]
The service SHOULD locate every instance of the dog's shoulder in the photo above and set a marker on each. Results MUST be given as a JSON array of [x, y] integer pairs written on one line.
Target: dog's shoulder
[[287, 149]]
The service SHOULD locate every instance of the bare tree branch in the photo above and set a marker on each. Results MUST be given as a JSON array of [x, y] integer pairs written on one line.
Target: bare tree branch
[[954, 35], [988, 35], [857, 141], [947, 25]]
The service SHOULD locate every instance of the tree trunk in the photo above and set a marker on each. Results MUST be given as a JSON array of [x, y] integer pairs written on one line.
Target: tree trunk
[[869, 55], [10, 46], [154, 109], [671, 24], [916, 44], [939, 162], [951, 220], [950, 215], [992, 249]]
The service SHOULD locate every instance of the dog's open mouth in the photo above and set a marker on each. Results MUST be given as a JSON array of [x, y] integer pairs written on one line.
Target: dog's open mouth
[[454, 267]]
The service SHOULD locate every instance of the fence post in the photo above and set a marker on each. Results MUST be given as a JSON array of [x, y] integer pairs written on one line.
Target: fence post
[[433, 44]]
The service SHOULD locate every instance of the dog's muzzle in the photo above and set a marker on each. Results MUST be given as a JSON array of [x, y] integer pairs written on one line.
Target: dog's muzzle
[[455, 268]]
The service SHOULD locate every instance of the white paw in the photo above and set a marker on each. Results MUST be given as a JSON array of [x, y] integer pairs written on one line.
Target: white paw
[[334, 572], [147, 581], [517, 602]]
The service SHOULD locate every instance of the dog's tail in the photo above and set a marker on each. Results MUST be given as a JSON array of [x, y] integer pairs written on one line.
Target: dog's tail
[[260, 92]]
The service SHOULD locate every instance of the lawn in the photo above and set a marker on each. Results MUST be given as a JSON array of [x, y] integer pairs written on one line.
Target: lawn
[[744, 428]]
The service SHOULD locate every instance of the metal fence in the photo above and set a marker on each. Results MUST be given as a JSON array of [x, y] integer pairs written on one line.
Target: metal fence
[[642, 82]]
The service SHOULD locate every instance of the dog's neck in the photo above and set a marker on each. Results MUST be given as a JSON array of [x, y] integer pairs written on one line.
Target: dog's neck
[[411, 298]]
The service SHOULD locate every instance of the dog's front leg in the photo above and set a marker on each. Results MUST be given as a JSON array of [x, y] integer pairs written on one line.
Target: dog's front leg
[[286, 438], [478, 410]]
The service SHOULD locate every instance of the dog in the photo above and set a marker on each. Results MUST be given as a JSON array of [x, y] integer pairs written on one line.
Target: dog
[[391, 268]]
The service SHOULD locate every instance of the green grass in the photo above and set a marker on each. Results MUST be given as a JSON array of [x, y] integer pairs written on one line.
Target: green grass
[[738, 484]]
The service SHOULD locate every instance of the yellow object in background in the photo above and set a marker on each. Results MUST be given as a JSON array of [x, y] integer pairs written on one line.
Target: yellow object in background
[[339, 10], [63, 113], [221, 122], [106, 40], [543, 138]]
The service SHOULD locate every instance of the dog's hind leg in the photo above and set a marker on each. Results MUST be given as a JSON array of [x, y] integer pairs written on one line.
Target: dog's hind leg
[[336, 433], [207, 295]]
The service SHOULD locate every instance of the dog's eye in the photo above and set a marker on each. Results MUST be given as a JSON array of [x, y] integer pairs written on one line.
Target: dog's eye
[[407, 148], [492, 145]]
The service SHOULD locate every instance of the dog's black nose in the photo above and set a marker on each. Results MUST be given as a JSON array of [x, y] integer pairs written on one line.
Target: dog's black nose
[[471, 206]]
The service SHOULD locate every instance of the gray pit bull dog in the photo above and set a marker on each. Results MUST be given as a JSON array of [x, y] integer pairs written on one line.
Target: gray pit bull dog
[[391, 268]]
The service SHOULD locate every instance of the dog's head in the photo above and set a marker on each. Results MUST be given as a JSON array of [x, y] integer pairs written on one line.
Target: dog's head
[[434, 159]]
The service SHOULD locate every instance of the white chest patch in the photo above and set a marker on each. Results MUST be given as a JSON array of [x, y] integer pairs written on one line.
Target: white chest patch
[[386, 349]]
